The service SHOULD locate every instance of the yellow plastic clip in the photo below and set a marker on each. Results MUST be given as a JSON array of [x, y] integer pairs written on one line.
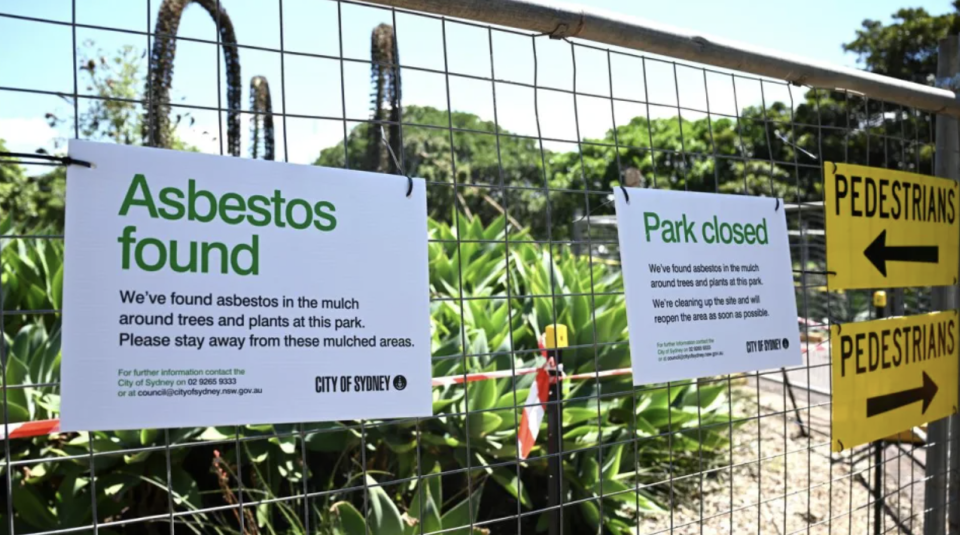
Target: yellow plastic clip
[[880, 299], [555, 336]]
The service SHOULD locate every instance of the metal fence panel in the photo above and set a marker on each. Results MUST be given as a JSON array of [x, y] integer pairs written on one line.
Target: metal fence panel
[[520, 138]]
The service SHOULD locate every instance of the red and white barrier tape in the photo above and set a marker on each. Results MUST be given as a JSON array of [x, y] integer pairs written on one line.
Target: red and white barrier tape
[[47, 427], [534, 410], [30, 429]]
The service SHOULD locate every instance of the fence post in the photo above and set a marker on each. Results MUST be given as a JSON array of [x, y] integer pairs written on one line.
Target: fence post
[[880, 307], [947, 166], [554, 339], [951, 157]]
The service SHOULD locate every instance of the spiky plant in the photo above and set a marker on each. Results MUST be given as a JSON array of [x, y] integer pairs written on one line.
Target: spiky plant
[[157, 128], [260, 104], [384, 99]]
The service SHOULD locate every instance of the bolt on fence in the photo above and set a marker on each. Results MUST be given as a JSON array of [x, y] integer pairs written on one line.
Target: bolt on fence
[[520, 134]]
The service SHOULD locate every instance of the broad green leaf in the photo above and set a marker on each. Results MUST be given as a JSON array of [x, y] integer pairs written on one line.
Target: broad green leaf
[[576, 415], [114, 484], [438, 440], [460, 514], [495, 227], [400, 444], [617, 490], [49, 365], [611, 461], [425, 509], [658, 398], [73, 507], [18, 399], [216, 433], [335, 440], [591, 513], [149, 436], [257, 451], [436, 484], [482, 395], [129, 437], [507, 400], [383, 516], [17, 413], [48, 402], [439, 405], [707, 395], [577, 432], [185, 490], [349, 520], [661, 418], [263, 514], [483, 423], [645, 429], [56, 289], [589, 472], [287, 444], [507, 479], [479, 345], [30, 505]]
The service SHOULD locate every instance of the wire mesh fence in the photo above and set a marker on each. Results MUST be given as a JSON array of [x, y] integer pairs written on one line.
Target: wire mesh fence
[[520, 138]]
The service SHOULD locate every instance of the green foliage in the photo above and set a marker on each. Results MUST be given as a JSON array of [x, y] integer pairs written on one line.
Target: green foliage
[[116, 116], [700, 155], [472, 160], [512, 294], [31, 200], [426, 508], [39, 201], [907, 47], [479, 163], [493, 330]]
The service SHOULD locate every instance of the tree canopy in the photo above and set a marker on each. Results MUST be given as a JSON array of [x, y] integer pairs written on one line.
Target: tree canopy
[[770, 151], [907, 47]]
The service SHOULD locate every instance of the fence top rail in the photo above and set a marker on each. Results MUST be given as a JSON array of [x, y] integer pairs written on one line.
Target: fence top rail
[[562, 20]]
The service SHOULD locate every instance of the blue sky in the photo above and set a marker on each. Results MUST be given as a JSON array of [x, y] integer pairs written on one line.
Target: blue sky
[[37, 55]]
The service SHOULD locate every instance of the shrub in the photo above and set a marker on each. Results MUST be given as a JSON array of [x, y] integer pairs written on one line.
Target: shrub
[[615, 438]]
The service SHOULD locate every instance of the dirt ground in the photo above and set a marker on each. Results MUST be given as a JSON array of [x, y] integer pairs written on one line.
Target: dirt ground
[[785, 481]]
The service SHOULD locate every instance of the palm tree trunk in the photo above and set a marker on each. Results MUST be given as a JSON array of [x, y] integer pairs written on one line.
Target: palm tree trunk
[[158, 131], [384, 100], [260, 104]]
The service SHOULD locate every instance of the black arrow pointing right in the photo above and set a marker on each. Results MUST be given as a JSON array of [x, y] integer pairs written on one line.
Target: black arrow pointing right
[[888, 402], [878, 253]]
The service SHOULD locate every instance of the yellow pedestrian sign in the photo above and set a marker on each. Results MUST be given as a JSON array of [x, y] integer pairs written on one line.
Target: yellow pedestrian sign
[[892, 374], [889, 229]]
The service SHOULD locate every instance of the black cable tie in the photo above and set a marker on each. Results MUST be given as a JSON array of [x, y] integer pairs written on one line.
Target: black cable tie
[[841, 445], [834, 167], [814, 272], [777, 207], [62, 160], [588, 214], [794, 145], [626, 195], [383, 138]]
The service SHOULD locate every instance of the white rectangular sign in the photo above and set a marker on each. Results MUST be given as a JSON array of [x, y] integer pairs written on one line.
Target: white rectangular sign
[[204, 290], [709, 284]]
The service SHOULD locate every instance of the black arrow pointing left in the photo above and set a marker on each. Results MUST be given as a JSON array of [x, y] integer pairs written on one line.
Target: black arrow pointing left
[[879, 253], [888, 402]]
